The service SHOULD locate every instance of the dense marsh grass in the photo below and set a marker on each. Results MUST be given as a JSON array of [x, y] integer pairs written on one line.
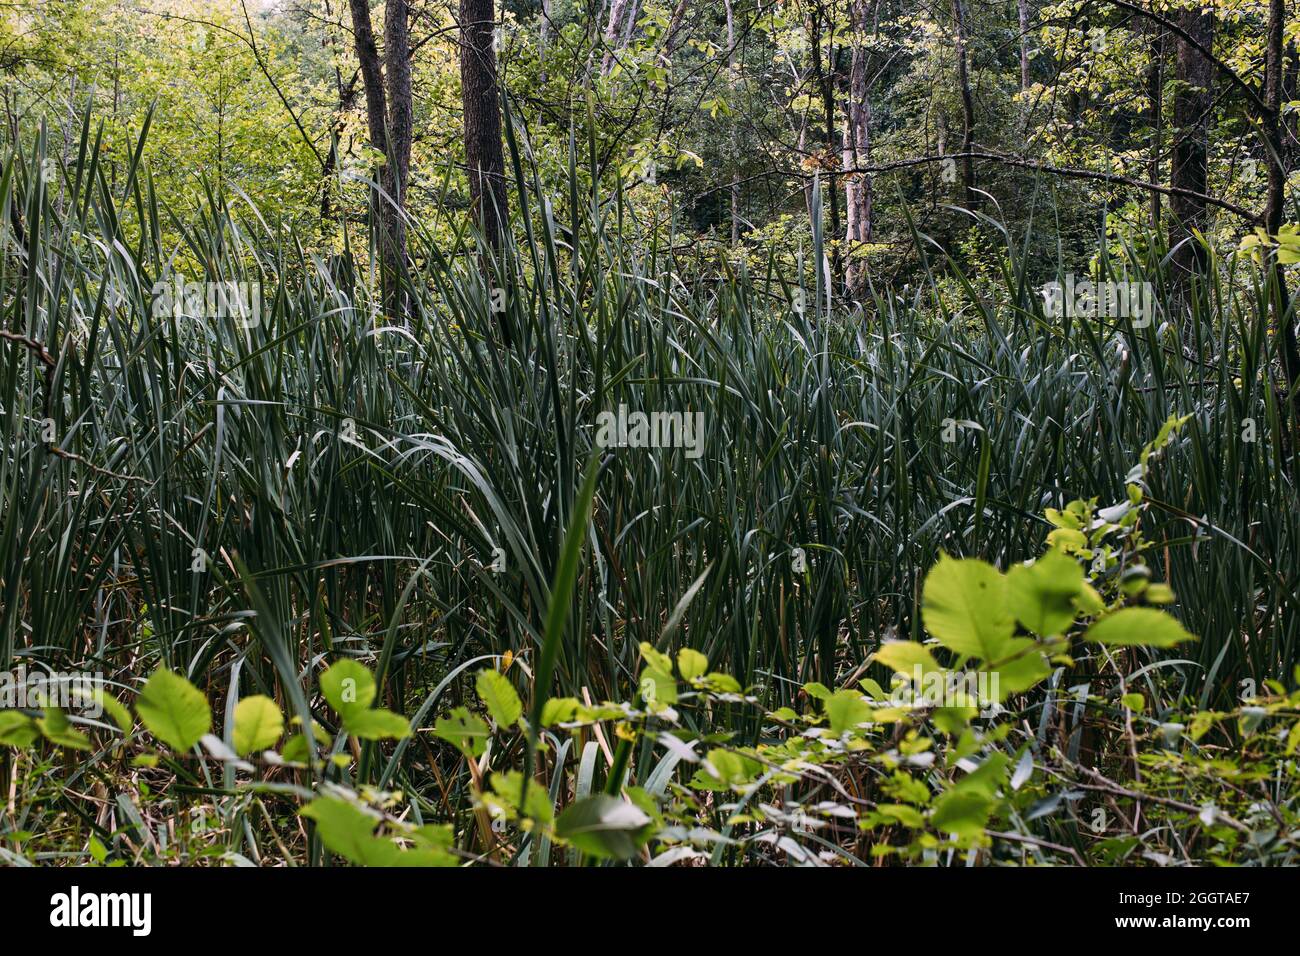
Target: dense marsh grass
[[246, 504]]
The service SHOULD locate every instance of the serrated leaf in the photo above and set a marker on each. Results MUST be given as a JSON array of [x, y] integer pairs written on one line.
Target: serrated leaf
[[904, 657], [559, 710], [467, 732], [174, 710], [845, 709], [377, 724], [258, 724], [964, 605], [691, 663], [962, 812], [656, 659], [348, 686], [17, 730], [59, 730], [1138, 627], [658, 687], [1042, 595], [499, 697]]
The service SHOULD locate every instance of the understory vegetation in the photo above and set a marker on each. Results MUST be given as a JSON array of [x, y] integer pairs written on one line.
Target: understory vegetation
[[947, 578]]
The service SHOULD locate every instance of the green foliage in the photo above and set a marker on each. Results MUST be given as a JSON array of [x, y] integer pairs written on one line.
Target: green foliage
[[258, 724], [350, 689], [604, 826], [627, 576], [174, 710], [500, 698]]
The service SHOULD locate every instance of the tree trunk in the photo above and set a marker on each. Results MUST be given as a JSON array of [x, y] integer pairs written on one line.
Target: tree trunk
[[401, 121], [967, 104], [735, 151], [485, 163], [1022, 7], [401, 110], [1275, 208], [386, 221], [1155, 114], [1193, 104], [673, 40], [543, 39], [612, 30], [826, 86], [857, 153]]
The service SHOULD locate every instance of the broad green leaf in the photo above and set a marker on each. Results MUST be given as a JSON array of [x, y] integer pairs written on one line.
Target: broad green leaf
[[725, 768], [377, 724], [1041, 595], [1067, 539], [174, 710], [904, 657], [691, 664], [559, 710], [499, 697], [658, 687], [467, 732], [348, 686], [59, 730], [506, 790], [1138, 626], [987, 778], [106, 703], [1022, 666], [722, 683], [816, 691], [603, 826], [1089, 601], [345, 829], [962, 812], [296, 749], [656, 659], [1292, 738], [17, 730], [846, 709], [964, 605], [258, 724], [349, 831], [909, 817]]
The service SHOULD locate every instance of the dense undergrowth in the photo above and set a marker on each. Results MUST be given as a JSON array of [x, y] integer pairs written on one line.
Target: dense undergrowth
[[421, 502]]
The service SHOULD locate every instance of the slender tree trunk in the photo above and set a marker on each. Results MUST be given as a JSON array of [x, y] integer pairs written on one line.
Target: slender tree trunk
[[401, 109], [1273, 77], [735, 151], [1022, 7], [543, 39], [484, 159], [826, 85], [480, 99], [675, 28], [857, 153], [1291, 91], [967, 103], [1155, 115], [1192, 106], [401, 122], [383, 216], [1275, 209], [612, 31], [629, 24]]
